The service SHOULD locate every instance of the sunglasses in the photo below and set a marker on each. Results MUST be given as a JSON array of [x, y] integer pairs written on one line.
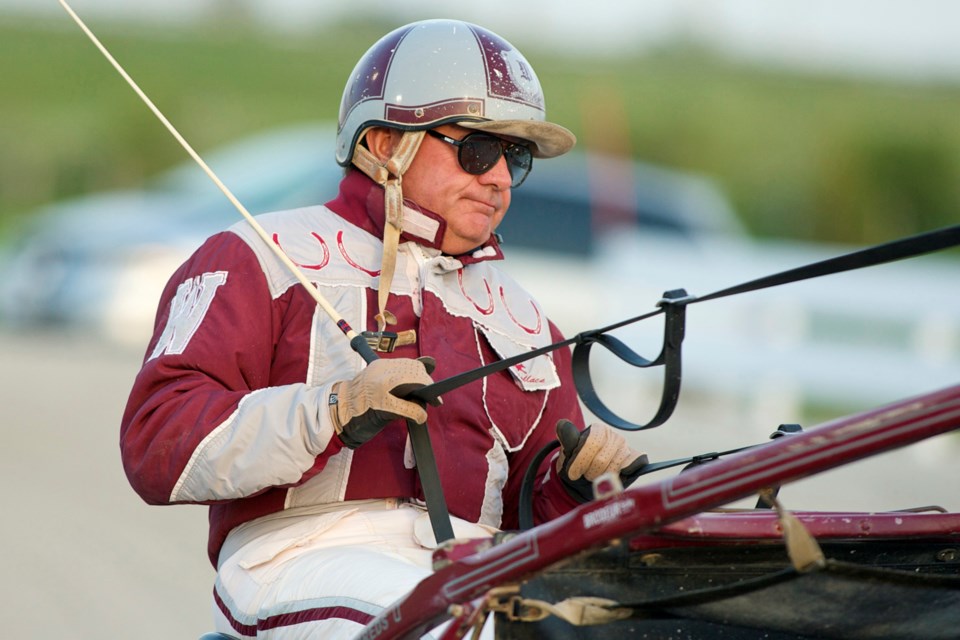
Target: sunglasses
[[478, 152]]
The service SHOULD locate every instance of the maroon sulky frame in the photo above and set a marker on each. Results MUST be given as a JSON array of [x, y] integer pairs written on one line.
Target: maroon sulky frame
[[642, 509]]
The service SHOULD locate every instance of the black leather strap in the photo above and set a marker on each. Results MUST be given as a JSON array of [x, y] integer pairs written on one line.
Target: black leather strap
[[910, 247], [913, 246], [430, 481], [426, 462], [526, 487], [674, 304]]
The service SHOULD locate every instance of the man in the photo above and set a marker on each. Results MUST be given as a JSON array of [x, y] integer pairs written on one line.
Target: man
[[251, 400]]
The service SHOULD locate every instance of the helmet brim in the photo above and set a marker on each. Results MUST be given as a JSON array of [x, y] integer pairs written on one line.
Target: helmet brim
[[549, 140]]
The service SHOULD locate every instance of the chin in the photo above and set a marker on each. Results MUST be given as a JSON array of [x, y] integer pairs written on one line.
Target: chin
[[463, 245]]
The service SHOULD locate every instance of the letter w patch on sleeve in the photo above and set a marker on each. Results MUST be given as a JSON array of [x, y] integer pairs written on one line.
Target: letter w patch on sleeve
[[187, 310]]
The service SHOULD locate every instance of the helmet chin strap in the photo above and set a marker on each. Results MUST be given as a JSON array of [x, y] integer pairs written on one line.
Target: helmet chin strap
[[389, 175]]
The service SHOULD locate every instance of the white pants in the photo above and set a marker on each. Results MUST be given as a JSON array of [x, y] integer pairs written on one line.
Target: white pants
[[324, 575]]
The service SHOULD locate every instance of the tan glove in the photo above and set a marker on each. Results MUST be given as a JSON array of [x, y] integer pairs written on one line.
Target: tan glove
[[360, 408], [598, 449]]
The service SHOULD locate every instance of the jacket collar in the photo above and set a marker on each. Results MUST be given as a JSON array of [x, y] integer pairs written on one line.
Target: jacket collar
[[360, 202]]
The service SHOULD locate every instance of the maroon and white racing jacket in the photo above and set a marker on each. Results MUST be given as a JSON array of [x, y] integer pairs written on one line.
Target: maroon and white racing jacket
[[230, 408]]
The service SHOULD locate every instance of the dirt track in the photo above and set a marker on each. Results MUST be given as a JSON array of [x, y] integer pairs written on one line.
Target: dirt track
[[87, 559]]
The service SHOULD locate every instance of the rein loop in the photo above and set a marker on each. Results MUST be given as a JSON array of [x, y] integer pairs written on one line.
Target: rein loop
[[674, 305]]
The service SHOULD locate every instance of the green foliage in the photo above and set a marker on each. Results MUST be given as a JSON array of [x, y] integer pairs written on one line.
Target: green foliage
[[72, 125], [801, 156]]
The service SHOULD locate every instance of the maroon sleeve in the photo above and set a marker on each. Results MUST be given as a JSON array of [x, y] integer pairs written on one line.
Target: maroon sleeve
[[212, 345]]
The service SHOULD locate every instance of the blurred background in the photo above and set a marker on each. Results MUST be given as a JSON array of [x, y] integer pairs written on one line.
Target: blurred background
[[718, 142]]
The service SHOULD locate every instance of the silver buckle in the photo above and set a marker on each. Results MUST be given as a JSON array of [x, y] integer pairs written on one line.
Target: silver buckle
[[381, 341]]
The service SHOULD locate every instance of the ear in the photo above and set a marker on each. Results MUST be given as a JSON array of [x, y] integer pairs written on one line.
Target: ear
[[381, 141]]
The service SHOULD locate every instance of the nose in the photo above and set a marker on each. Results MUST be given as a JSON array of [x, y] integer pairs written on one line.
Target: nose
[[498, 176]]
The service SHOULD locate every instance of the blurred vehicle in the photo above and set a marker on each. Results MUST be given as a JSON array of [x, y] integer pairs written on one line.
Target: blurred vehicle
[[100, 261]]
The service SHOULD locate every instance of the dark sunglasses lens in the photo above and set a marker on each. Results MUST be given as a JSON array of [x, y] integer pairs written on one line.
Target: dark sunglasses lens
[[478, 153], [519, 163]]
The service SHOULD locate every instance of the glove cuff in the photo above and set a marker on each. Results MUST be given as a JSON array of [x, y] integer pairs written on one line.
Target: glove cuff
[[333, 403], [580, 490]]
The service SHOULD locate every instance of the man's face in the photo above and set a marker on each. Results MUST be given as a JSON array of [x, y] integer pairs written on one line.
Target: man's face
[[471, 205]]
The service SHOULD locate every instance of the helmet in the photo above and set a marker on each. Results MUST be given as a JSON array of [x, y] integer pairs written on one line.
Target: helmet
[[436, 72]]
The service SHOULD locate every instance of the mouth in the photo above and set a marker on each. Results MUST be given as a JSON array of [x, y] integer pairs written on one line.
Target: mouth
[[487, 207]]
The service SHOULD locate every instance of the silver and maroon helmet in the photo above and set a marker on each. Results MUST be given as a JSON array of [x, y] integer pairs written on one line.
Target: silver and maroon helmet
[[436, 72]]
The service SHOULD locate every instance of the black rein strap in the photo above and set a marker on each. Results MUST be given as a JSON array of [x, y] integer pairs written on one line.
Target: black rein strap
[[910, 247], [673, 304]]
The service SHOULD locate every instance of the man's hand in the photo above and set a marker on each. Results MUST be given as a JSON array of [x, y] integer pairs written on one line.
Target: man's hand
[[362, 407], [587, 455]]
